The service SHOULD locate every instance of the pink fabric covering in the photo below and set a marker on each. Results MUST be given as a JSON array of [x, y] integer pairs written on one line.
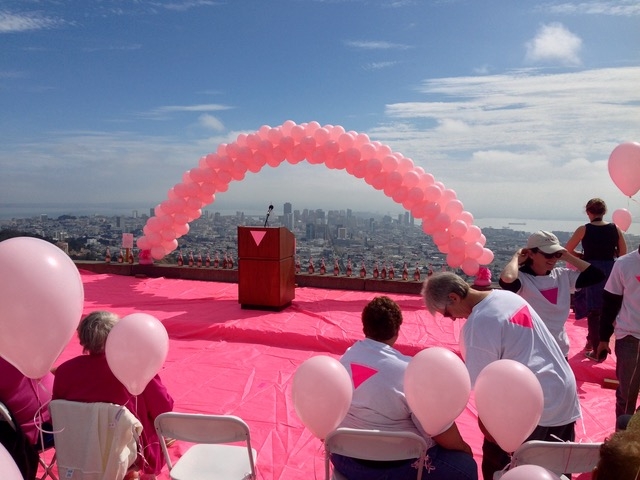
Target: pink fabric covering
[[226, 360]]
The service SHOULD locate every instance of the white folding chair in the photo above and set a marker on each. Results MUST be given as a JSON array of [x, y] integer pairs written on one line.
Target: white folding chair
[[373, 445], [5, 416], [557, 457], [211, 456], [94, 440]]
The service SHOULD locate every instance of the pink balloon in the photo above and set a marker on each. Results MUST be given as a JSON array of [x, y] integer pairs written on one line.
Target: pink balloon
[[472, 234], [8, 467], [474, 250], [486, 258], [432, 193], [529, 472], [41, 302], [458, 228], [470, 266], [136, 349], [454, 259], [158, 252], [437, 387], [457, 245], [321, 394], [624, 167], [622, 218], [509, 400], [143, 243]]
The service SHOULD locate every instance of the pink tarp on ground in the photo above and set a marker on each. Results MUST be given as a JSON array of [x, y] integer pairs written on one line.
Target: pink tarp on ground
[[226, 360]]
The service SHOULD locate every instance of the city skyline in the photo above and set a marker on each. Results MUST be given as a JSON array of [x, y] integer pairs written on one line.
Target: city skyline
[[514, 106]]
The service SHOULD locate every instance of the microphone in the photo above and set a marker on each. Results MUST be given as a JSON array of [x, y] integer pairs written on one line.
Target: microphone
[[266, 220]]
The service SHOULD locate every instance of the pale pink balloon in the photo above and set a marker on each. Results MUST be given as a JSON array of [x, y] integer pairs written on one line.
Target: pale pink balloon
[[41, 302], [416, 195], [368, 151], [410, 179], [361, 139], [311, 127], [158, 210], [231, 150], [287, 126], [442, 220], [437, 388], [345, 141], [241, 139], [428, 227], [486, 258], [253, 140], [473, 233], [297, 132], [426, 179], [389, 163], [432, 193], [335, 132], [263, 131], [321, 392], [274, 135], [136, 349], [622, 218], [454, 260], [400, 195], [624, 167], [158, 252], [431, 211], [143, 243], [167, 235], [8, 467], [181, 190], [470, 266], [510, 401], [404, 165], [321, 135], [474, 250], [441, 237], [222, 149], [457, 245], [458, 228], [454, 208], [181, 230], [466, 217], [529, 472]]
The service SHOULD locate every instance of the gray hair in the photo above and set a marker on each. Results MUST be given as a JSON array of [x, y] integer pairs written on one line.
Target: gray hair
[[437, 287], [93, 331]]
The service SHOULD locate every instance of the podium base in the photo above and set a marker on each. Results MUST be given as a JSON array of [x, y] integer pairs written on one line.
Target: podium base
[[271, 308]]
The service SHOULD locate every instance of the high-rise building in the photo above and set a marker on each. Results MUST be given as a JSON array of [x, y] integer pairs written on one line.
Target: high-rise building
[[288, 216]]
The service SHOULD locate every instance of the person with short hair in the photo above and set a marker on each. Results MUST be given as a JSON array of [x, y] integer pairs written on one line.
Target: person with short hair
[[533, 274], [621, 315], [377, 372], [88, 378], [502, 325], [620, 454]]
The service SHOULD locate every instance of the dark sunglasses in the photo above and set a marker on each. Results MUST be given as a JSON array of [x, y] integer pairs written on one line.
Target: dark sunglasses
[[548, 256]]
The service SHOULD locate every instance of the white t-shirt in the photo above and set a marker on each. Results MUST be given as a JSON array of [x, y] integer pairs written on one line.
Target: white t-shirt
[[550, 297], [625, 280], [503, 325], [377, 373]]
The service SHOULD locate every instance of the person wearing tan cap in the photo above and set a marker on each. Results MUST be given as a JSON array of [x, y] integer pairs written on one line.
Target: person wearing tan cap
[[533, 274]]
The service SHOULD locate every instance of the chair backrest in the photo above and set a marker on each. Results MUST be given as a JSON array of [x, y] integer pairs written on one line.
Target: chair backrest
[[375, 445], [94, 440], [558, 457], [202, 428]]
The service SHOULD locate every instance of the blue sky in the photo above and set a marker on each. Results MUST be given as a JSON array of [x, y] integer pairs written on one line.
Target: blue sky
[[516, 105]]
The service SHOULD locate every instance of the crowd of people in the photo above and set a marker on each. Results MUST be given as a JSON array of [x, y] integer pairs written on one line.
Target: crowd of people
[[523, 321]]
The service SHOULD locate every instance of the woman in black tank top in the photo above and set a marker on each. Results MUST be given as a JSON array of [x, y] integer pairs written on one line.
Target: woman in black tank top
[[602, 242]]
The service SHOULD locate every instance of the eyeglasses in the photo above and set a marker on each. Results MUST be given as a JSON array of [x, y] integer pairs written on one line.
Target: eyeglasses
[[549, 256]]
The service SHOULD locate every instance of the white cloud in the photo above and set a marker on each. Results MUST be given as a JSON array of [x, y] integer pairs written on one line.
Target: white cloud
[[375, 45], [379, 65], [211, 122], [554, 43], [613, 7], [24, 22]]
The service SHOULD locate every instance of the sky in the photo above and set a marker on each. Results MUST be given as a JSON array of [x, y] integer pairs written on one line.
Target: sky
[[515, 105]]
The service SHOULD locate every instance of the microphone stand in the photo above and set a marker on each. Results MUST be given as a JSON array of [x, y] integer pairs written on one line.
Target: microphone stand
[[266, 220]]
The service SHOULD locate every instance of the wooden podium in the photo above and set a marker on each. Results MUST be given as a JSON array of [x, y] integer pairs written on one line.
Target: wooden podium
[[266, 267]]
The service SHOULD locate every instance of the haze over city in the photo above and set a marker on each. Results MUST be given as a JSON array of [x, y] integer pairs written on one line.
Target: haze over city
[[514, 105]]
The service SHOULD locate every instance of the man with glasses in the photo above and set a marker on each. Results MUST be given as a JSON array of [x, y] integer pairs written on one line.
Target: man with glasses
[[502, 325], [533, 274]]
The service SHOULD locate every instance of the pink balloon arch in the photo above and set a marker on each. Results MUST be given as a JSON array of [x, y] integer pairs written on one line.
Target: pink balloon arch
[[442, 214]]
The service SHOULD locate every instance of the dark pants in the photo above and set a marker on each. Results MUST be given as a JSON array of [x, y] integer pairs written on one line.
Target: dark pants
[[628, 373], [495, 459], [441, 464]]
